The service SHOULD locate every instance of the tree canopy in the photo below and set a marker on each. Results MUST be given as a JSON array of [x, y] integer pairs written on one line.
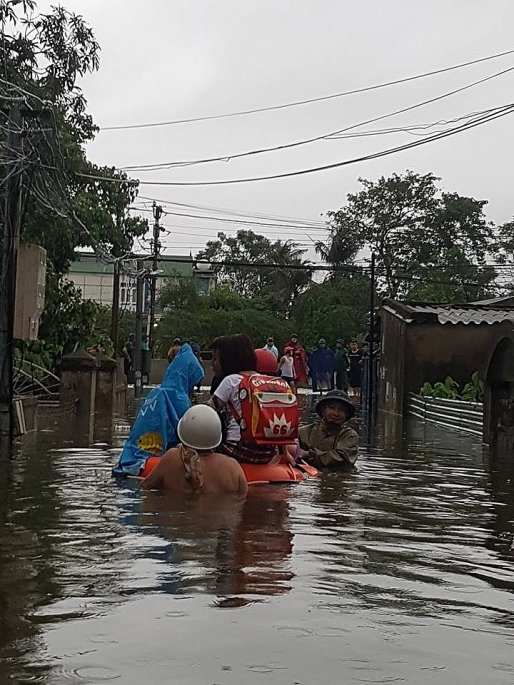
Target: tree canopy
[[67, 202], [428, 243], [280, 272]]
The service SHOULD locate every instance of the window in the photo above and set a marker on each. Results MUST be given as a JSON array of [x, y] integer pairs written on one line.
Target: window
[[127, 294]]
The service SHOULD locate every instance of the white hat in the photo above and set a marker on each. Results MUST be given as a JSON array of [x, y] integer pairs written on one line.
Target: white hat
[[200, 428]]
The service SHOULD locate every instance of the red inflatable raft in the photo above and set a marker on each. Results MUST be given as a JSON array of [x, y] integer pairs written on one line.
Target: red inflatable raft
[[260, 473]]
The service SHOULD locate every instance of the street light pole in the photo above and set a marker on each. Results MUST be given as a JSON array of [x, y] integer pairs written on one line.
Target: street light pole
[[156, 246], [370, 378], [138, 353]]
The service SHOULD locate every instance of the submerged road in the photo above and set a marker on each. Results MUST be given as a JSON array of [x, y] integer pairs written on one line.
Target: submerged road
[[402, 571]]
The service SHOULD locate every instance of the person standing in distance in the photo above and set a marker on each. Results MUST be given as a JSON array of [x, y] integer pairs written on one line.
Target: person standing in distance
[[128, 356], [355, 373], [173, 351], [270, 346], [286, 368], [300, 359], [342, 366]]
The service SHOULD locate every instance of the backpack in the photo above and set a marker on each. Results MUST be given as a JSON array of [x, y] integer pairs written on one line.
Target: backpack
[[269, 411]]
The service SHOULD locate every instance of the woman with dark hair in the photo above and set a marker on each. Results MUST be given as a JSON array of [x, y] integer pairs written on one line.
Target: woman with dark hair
[[215, 346], [236, 358]]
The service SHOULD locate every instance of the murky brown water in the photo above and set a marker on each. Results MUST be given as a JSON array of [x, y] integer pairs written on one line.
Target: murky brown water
[[400, 572]]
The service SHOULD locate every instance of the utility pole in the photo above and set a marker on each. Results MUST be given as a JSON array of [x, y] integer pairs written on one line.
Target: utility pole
[[9, 240], [371, 354], [115, 311], [138, 356], [156, 246]]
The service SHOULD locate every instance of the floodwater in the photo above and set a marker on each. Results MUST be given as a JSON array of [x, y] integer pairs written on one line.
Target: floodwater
[[402, 571]]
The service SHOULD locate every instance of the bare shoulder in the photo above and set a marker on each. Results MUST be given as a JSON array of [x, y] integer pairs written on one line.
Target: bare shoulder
[[171, 455], [229, 462]]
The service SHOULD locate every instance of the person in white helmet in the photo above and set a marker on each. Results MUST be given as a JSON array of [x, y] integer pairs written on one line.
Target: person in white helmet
[[194, 466]]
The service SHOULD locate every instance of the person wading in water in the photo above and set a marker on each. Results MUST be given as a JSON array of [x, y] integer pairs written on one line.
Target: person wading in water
[[194, 466]]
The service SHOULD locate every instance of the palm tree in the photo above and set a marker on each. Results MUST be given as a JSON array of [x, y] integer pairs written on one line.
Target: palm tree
[[291, 274]]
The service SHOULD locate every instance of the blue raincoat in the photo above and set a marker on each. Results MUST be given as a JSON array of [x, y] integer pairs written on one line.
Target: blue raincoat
[[154, 430]]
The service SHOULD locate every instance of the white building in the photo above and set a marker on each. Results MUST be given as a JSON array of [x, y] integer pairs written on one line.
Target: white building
[[95, 278]]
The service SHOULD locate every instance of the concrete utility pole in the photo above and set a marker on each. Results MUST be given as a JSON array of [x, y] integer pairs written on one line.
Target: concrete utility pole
[[156, 246], [371, 355], [115, 311], [9, 240], [138, 356]]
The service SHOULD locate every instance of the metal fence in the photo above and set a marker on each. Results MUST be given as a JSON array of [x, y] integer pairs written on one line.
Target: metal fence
[[466, 417]]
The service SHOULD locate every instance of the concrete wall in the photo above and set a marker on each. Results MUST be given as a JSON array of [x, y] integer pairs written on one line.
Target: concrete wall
[[413, 353], [434, 351], [391, 378]]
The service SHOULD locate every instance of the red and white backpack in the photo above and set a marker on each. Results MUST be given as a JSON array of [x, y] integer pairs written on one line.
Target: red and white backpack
[[269, 411]]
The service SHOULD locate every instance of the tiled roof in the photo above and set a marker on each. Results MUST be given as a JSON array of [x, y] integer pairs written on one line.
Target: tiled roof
[[465, 315], [450, 314]]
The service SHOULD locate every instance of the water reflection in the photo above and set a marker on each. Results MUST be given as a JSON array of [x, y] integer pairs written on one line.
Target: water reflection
[[221, 545]]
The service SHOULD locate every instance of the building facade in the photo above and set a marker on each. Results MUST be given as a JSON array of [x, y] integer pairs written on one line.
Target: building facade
[[96, 279]]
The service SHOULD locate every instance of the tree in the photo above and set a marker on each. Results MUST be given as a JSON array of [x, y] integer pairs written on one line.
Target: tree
[[336, 308], [420, 236], [222, 312], [67, 202], [280, 272]]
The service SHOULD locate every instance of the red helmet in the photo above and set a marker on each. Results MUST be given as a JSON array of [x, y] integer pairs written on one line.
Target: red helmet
[[266, 362]]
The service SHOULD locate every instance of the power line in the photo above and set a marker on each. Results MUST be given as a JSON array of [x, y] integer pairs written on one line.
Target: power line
[[383, 153], [298, 103], [342, 268], [234, 212], [489, 116], [245, 223], [333, 135]]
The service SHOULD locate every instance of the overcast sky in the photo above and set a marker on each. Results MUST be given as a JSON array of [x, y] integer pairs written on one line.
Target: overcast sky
[[164, 60]]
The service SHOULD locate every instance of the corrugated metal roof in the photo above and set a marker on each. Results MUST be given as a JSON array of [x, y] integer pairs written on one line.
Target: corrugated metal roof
[[464, 315]]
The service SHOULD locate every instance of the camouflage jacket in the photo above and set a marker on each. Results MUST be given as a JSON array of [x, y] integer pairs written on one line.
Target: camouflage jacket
[[329, 445]]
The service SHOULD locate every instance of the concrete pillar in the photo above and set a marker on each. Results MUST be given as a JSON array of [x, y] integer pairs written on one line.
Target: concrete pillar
[[78, 390], [105, 396], [105, 382]]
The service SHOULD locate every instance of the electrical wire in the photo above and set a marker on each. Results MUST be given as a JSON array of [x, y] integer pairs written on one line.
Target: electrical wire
[[333, 135], [298, 103], [242, 222], [383, 153], [232, 212]]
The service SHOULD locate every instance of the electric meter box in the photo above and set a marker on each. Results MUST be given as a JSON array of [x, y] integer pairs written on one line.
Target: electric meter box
[[30, 291]]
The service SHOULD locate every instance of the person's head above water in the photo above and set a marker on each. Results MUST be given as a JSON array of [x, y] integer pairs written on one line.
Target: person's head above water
[[235, 354], [200, 428], [335, 407]]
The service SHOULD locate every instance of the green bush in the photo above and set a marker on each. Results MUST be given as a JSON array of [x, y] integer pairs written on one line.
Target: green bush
[[473, 391]]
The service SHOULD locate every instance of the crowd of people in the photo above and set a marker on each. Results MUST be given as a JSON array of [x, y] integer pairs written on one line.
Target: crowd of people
[[326, 369], [216, 438]]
